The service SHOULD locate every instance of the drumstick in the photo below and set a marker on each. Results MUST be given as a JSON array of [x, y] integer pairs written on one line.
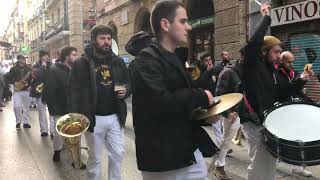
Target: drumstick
[[259, 3]]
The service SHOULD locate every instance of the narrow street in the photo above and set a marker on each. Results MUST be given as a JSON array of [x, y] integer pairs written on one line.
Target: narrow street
[[25, 155]]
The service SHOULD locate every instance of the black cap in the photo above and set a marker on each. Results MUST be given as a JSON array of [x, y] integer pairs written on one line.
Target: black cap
[[21, 57]]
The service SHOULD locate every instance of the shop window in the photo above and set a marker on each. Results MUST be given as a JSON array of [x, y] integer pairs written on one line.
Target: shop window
[[306, 48]]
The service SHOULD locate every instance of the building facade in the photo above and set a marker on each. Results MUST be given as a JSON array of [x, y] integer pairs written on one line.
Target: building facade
[[297, 24], [219, 25]]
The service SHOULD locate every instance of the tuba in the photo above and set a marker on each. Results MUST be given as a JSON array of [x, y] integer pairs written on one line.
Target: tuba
[[71, 126]]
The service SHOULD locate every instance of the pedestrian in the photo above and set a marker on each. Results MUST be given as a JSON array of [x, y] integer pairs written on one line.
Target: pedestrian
[[229, 82], [57, 92], [99, 85], [20, 76], [163, 98]]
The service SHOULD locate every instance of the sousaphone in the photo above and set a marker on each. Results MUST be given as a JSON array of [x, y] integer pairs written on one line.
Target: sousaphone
[[71, 126]]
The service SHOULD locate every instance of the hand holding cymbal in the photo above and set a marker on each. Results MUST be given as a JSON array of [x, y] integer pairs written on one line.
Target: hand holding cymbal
[[222, 104]]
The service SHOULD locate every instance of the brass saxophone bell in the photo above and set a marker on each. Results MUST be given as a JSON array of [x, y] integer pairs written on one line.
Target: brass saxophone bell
[[39, 88]]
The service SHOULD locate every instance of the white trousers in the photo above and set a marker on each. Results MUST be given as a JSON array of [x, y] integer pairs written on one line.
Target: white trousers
[[57, 139], [42, 111], [109, 134], [263, 164], [217, 130], [197, 171], [21, 101], [52, 124], [229, 132]]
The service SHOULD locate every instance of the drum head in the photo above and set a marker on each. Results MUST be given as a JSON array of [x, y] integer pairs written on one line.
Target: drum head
[[295, 122]]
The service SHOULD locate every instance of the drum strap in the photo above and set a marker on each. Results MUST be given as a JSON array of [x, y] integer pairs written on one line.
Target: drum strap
[[251, 110]]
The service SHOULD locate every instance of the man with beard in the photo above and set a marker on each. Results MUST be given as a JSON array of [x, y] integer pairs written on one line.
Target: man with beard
[[39, 71], [56, 92], [167, 139], [259, 84], [99, 85], [21, 99]]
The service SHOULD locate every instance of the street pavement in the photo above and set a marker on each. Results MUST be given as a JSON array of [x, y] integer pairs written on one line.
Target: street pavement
[[25, 155]]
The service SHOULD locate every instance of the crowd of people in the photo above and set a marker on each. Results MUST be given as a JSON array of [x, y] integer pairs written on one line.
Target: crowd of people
[[169, 144]]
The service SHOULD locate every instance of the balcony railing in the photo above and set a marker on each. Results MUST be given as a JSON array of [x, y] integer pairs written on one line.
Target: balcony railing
[[56, 29]]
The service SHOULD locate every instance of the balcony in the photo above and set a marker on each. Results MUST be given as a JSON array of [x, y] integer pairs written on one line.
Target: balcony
[[56, 29]]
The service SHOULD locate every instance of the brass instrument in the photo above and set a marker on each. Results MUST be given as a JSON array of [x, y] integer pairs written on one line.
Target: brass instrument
[[222, 103], [71, 126], [39, 88], [194, 70], [237, 140], [18, 86]]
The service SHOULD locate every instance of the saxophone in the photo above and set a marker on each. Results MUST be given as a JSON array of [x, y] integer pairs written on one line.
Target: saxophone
[[18, 86], [39, 88]]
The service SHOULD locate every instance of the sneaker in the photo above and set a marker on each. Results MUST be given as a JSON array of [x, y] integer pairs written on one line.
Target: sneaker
[[18, 126], [44, 134], [56, 156], [230, 151], [220, 173], [1, 109], [51, 136], [83, 166], [26, 126], [301, 172]]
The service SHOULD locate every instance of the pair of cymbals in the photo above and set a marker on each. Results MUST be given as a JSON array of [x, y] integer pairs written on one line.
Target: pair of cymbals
[[222, 103]]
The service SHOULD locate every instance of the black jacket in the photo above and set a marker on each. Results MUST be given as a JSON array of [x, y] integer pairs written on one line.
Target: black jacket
[[18, 73], [83, 88], [288, 86], [39, 73], [162, 102], [257, 78], [56, 89]]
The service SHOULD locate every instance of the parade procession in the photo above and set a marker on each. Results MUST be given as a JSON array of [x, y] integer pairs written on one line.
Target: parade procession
[[160, 89]]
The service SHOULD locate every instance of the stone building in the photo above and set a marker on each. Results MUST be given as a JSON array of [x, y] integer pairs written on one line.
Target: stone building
[[297, 24], [54, 24], [217, 25]]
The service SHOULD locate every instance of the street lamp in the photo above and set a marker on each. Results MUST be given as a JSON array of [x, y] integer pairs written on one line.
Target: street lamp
[[91, 13]]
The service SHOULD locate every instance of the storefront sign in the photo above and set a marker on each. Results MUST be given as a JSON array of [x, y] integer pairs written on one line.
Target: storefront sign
[[201, 22], [297, 12]]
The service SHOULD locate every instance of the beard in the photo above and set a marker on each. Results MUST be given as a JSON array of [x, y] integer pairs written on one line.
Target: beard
[[103, 50]]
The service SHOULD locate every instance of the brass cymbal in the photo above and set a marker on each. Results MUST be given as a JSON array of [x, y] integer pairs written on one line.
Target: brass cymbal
[[224, 103]]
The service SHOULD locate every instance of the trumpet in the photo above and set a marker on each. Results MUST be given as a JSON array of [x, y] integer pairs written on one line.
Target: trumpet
[[71, 126], [39, 88]]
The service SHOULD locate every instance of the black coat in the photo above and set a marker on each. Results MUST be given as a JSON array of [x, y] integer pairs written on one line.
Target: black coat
[[162, 102], [288, 87], [83, 88], [257, 78], [56, 89]]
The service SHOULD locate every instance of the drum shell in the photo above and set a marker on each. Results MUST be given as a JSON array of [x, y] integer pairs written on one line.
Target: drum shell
[[292, 152]]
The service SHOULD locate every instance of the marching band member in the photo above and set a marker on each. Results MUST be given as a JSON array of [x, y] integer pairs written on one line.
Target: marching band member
[[99, 83], [259, 85], [56, 92], [19, 74], [38, 78], [167, 140]]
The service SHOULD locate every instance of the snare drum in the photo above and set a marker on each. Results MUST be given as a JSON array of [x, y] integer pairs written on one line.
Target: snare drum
[[292, 133]]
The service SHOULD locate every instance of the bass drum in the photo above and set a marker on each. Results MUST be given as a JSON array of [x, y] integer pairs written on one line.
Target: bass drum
[[292, 133]]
